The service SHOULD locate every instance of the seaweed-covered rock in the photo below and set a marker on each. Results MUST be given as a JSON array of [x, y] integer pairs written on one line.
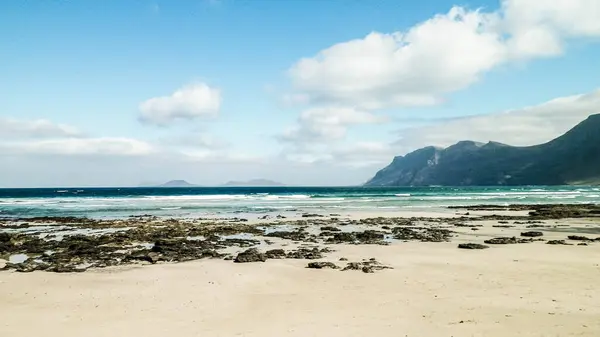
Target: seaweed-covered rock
[[558, 242], [368, 267], [322, 265], [579, 238], [506, 241], [532, 234], [275, 254], [305, 253], [250, 255], [422, 234], [472, 246]]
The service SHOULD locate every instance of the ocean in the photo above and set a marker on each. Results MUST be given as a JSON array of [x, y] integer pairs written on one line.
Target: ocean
[[224, 202]]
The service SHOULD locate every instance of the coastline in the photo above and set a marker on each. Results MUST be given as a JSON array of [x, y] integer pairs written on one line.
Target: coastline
[[431, 288]]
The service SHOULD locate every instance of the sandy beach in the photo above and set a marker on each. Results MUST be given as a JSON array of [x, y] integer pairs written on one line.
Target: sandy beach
[[434, 289]]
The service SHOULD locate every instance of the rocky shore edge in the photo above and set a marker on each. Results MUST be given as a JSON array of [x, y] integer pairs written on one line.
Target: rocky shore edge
[[66, 244]]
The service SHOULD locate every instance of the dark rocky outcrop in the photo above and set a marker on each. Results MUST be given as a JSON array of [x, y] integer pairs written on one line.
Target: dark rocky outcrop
[[472, 246], [250, 255], [322, 265], [532, 234], [506, 241]]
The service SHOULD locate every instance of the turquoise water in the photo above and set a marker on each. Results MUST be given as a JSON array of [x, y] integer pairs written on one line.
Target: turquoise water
[[231, 201]]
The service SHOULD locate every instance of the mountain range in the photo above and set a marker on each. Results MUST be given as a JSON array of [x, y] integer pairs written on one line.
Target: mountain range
[[571, 159], [253, 183]]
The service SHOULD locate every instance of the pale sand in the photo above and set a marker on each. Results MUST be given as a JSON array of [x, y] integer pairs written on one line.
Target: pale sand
[[435, 290]]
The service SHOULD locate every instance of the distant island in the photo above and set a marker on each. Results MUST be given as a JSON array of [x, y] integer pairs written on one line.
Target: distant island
[[253, 182], [177, 183], [571, 159]]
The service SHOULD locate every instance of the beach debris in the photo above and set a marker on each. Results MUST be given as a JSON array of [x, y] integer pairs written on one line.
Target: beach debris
[[532, 234], [472, 246], [322, 265], [250, 255]]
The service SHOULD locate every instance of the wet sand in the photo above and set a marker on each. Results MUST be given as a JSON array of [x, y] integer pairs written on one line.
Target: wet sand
[[434, 289]]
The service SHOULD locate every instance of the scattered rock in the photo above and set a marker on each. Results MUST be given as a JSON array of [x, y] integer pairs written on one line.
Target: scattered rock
[[558, 242], [321, 265], [506, 240], [579, 238], [250, 255], [275, 254], [305, 253], [472, 246], [532, 234], [368, 267]]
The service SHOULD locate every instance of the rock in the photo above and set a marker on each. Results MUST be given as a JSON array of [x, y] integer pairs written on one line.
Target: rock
[[352, 266], [275, 254], [305, 253], [579, 238], [343, 237], [422, 234], [309, 215], [250, 255], [532, 234], [369, 266], [558, 242], [582, 244], [369, 236], [330, 229], [343, 259], [321, 265], [472, 246], [506, 240]]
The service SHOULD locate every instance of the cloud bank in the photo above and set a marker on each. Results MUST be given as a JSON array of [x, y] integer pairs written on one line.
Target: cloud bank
[[188, 103]]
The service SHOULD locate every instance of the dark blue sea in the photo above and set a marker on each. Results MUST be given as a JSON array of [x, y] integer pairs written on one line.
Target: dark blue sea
[[256, 201]]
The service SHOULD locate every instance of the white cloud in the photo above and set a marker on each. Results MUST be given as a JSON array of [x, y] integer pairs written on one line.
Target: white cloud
[[195, 141], [40, 128], [323, 124], [187, 103], [443, 54], [519, 127], [358, 154], [79, 147]]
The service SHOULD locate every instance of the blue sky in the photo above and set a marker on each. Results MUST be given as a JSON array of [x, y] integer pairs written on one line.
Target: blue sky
[[75, 74]]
